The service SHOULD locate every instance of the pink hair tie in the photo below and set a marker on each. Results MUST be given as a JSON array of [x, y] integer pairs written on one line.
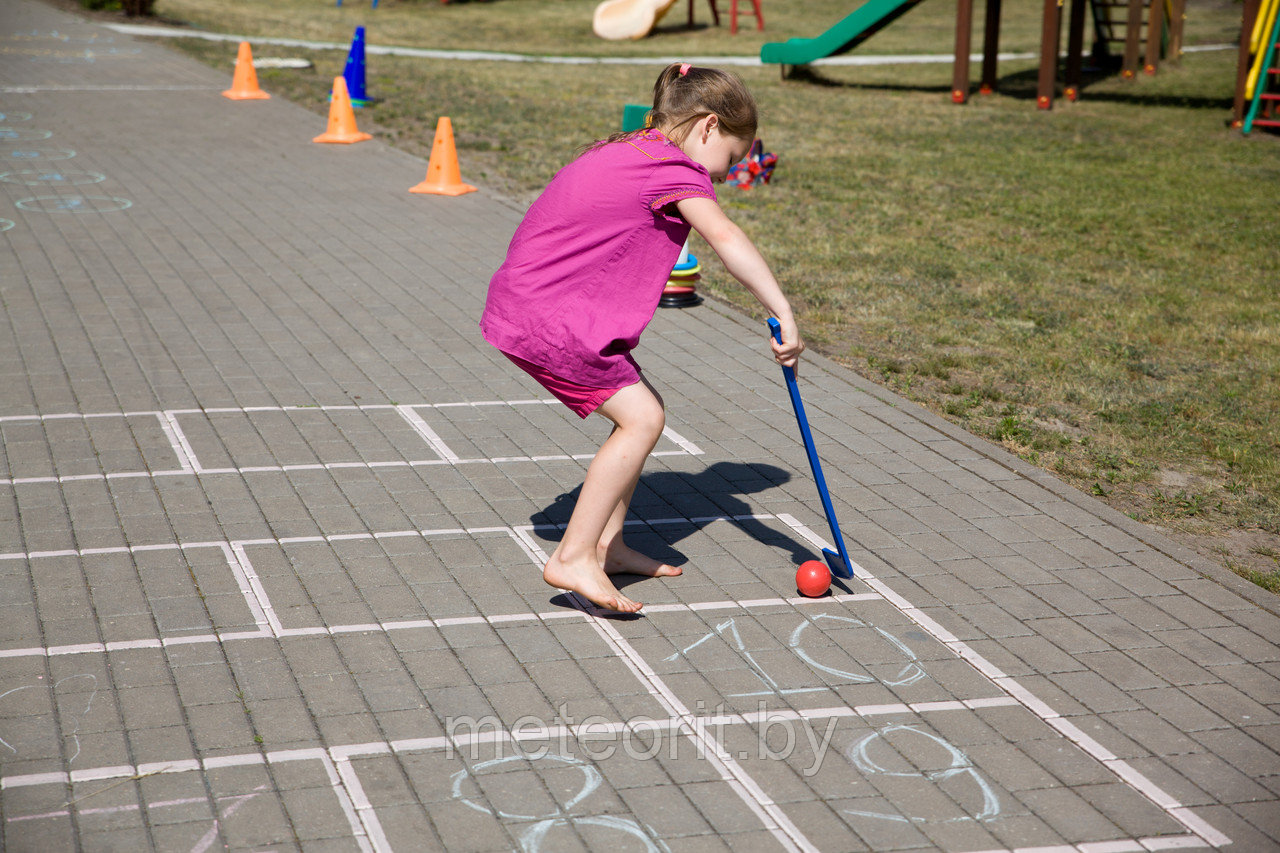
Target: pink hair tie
[[684, 68]]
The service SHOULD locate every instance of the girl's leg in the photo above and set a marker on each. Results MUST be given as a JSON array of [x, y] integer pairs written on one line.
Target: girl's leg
[[638, 420], [617, 557]]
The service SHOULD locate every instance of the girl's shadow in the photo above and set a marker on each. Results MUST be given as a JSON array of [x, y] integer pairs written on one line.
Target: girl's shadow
[[714, 492]]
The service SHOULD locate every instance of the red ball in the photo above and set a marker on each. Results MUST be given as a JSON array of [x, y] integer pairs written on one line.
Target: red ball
[[813, 578]]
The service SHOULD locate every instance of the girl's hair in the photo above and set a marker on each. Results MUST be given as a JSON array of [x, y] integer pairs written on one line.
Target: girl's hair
[[679, 100]]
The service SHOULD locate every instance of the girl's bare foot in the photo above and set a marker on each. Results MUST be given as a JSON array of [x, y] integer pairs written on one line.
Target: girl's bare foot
[[589, 581], [619, 559]]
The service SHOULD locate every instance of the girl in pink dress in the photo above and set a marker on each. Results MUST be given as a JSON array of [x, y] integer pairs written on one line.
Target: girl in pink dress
[[583, 276]]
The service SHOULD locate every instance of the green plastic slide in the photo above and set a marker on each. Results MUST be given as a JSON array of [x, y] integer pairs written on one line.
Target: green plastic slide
[[855, 28]]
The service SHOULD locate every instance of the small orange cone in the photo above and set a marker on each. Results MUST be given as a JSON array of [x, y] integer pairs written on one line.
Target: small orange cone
[[443, 177], [342, 118], [244, 84]]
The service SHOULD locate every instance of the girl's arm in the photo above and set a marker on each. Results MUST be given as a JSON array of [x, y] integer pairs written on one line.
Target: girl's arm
[[747, 265]]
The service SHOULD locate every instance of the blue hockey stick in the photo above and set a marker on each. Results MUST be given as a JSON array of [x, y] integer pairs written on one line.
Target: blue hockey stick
[[841, 565]]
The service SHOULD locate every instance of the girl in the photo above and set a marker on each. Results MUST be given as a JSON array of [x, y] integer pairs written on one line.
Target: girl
[[583, 276]]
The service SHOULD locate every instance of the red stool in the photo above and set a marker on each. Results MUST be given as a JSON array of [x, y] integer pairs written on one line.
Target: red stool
[[733, 16]]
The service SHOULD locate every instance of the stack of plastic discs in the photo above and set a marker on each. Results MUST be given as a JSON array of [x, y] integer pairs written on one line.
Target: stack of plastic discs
[[682, 287]]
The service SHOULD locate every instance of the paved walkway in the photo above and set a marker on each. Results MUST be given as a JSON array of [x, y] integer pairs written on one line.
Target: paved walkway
[[272, 515]]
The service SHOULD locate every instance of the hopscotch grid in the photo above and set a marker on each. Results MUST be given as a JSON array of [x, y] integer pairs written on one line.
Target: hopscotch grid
[[772, 816], [189, 463], [429, 435], [361, 815], [178, 440], [1025, 698], [731, 772], [267, 624], [691, 725]]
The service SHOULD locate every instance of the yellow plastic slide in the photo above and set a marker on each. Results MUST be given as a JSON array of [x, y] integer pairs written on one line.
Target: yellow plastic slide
[[628, 19], [1262, 28]]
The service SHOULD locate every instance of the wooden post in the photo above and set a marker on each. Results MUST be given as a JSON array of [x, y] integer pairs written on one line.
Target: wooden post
[[1252, 8], [1050, 33], [1155, 33], [964, 37], [990, 47], [1176, 19], [715, 13], [1132, 35], [1075, 49]]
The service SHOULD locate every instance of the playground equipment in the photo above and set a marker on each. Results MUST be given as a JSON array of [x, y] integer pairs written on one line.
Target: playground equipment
[[734, 13], [1114, 22], [1162, 27], [855, 28], [628, 19], [1258, 78], [635, 19]]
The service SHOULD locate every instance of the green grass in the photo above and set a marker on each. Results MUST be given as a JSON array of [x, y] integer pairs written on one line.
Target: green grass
[[564, 26], [1095, 287]]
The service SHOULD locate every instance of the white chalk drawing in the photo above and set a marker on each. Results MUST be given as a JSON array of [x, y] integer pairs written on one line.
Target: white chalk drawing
[[73, 204], [24, 134], [225, 806], [959, 770], [70, 720], [31, 153], [210, 838], [77, 718], [535, 835], [6, 224], [54, 35], [729, 629], [960, 767], [74, 55], [4, 742], [590, 782], [532, 839], [52, 177], [8, 117], [910, 673]]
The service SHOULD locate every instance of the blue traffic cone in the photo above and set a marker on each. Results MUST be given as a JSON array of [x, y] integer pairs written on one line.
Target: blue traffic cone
[[354, 71]]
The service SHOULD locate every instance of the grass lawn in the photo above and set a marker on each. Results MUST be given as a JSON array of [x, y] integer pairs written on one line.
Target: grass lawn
[[1097, 288]]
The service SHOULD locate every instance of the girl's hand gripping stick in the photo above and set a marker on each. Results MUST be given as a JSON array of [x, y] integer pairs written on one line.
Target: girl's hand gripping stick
[[841, 565]]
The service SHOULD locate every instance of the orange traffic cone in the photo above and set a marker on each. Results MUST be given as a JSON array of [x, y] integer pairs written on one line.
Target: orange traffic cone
[[244, 84], [443, 177], [342, 118]]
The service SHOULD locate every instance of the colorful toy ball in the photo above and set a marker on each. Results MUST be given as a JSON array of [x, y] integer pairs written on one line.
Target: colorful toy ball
[[813, 578]]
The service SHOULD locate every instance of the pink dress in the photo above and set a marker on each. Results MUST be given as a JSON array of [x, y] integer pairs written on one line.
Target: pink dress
[[587, 266]]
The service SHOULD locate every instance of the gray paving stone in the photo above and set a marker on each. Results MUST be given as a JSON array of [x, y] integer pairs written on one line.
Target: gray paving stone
[[1236, 707], [204, 684], [1094, 691]]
